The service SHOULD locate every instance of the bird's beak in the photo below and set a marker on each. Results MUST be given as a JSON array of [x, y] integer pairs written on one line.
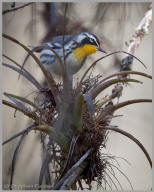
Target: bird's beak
[[100, 49]]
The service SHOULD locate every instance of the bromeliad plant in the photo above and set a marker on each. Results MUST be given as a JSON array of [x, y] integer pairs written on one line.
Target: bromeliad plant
[[73, 123]]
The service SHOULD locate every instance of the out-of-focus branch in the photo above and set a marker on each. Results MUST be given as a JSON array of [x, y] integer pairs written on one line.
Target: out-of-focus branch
[[141, 30], [17, 8]]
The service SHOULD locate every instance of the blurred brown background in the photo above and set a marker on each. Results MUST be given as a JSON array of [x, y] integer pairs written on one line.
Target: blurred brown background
[[114, 24]]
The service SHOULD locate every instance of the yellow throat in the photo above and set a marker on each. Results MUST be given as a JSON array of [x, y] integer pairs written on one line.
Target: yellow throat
[[81, 52]]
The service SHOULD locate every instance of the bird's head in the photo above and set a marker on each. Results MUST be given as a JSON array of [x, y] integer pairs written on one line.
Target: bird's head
[[85, 44]]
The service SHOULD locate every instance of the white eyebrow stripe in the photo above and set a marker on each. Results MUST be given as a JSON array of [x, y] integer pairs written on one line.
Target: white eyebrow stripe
[[92, 37]]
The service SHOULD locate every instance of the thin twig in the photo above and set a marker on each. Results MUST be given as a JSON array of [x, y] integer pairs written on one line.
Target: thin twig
[[125, 176], [15, 9], [115, 178], [106, 181], [111, 180]]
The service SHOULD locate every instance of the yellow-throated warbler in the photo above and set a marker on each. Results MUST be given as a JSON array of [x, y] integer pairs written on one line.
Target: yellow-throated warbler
[[76, 49]]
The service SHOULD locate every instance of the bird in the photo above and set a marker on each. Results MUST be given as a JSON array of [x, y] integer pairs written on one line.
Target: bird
[[74, 48], [73, 51]]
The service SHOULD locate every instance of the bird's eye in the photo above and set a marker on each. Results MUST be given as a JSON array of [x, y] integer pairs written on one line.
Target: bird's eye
[[91, 41]]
